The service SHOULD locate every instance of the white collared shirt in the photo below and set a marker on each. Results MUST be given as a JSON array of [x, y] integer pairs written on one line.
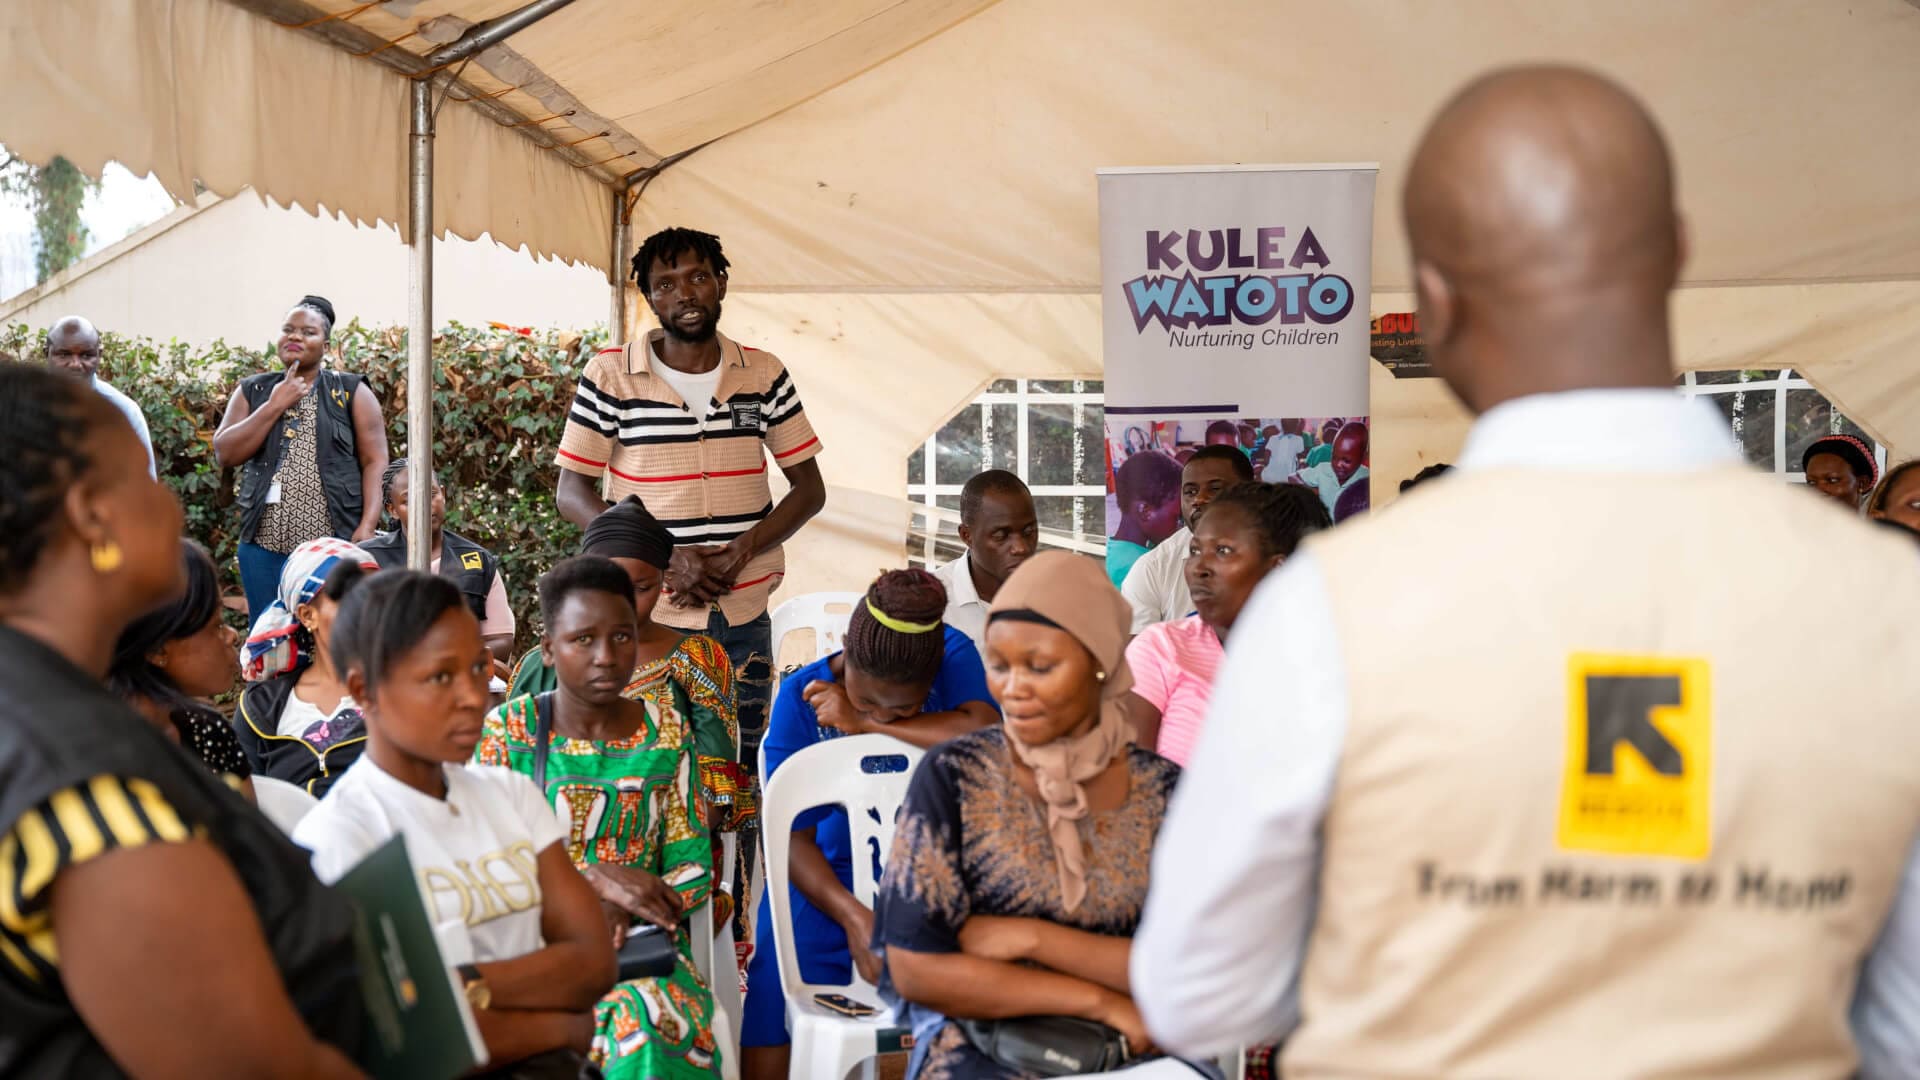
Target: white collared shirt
[[1217, 958], [1156, 587], [966, 612], [134, 416]]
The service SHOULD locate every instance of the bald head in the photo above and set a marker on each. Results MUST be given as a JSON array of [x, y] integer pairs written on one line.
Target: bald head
[[1540, 211], [73, 347]]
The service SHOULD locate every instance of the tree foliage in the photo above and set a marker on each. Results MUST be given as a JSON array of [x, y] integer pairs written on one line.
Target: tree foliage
[[500, 402], [56, 192]]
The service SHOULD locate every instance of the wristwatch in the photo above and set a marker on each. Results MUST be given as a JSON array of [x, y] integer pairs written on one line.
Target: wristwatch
[[479, 994]]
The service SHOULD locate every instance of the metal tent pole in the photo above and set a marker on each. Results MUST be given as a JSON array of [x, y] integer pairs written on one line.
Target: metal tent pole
[[420, 264], [420, 325], [617, 269]]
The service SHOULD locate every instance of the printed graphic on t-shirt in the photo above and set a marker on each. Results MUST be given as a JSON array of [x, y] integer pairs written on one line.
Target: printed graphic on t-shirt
[[346, 722], [1638, 775]]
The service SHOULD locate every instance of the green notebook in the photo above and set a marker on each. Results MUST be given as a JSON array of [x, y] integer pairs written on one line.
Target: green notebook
[[419, 1024]]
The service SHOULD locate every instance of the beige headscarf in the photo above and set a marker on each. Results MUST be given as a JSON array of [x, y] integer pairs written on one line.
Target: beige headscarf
[[1072, 592]]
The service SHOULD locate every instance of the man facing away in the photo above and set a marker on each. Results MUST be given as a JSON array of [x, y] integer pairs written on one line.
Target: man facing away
[[686, 419], [1001, 531], [1545, 801], [1156, 589], [73, 348]]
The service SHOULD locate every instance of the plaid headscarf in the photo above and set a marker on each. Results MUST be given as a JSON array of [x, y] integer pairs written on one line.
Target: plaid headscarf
[[278, 644]]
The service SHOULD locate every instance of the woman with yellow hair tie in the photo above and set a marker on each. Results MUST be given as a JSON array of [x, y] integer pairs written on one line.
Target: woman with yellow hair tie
[[903, 673]]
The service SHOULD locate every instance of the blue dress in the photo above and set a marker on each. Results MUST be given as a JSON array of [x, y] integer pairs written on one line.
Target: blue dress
[[792, 727]]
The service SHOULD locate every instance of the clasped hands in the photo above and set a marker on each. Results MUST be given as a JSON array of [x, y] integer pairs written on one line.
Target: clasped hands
[[699, 574]]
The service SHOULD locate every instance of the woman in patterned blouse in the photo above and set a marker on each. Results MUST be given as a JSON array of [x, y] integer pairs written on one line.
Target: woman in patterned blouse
[[171, 660], [1019, 863]]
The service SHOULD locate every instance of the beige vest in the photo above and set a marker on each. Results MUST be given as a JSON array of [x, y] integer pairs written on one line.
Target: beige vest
[[1631, 772]]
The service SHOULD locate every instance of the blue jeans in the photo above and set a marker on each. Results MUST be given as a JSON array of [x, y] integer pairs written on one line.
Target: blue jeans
[[750, 647], [260, 578]]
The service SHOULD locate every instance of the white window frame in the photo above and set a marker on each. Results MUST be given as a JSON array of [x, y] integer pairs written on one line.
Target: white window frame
[[1087, 537], [1783, 381]]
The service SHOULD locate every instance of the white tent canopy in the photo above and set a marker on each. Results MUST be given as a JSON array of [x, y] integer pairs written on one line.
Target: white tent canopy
[[907, 189]]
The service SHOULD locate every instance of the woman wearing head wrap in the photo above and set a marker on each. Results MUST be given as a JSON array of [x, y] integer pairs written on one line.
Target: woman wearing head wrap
[[1037, 922], [297, 722], [903, 673], [310, 445]]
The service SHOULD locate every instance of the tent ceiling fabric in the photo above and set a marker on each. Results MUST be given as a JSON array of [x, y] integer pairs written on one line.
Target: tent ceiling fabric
[[967, 162]]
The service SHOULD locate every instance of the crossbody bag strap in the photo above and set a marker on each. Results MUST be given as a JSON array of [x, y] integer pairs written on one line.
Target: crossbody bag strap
[[542, 738]]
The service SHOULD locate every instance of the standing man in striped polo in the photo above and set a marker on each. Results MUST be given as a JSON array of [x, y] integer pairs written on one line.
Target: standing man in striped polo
[[680, 418]]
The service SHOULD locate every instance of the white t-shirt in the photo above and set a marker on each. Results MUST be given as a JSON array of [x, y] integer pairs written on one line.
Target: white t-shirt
[[476, 852], [1286, 452], [298, 716], [1156, 587], [695, 390]]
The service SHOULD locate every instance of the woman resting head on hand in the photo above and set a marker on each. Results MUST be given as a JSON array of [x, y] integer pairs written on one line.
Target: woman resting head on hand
[[903, 673], [532, 950], [1038, 922], [169, 661]]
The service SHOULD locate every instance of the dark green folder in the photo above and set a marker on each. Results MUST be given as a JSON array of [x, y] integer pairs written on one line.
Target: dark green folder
[[419, 1026]]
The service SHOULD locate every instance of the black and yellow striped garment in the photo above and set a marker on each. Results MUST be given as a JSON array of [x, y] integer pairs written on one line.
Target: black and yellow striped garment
[[72, 826]]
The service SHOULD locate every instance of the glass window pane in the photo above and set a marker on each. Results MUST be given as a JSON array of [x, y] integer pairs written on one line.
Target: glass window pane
[[1064, 386], [1706, 378], [1003, 386], [917, 465], [1000, 440], [1053, 452], [959, 447], [1811, 416], [1750, 415]]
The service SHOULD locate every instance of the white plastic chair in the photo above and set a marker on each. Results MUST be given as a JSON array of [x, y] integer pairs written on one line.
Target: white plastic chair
[[725, 1026], [868, 775], [283, 803], [824, 613]]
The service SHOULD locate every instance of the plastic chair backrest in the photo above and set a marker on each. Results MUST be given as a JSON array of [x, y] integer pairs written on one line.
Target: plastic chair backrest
[[866, 774], [283, 803], [825, 613]]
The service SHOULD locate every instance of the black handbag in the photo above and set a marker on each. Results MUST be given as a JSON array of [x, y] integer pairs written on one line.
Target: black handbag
[[648, 952], [1048, 1045]]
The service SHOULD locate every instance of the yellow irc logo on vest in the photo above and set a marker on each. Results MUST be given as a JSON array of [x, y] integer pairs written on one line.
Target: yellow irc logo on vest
[[1639, 764], [470, 560]]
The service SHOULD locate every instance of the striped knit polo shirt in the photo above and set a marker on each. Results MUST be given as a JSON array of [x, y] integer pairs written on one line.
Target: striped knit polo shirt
[[700, 470]]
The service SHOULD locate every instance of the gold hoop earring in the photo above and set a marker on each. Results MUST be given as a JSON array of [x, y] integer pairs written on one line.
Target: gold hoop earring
[[106, 557]]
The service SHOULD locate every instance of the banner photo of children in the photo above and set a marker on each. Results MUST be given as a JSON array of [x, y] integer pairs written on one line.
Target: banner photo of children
[[1145, 455]]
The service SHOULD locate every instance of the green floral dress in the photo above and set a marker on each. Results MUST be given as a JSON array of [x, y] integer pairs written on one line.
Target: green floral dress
[[631, 802]]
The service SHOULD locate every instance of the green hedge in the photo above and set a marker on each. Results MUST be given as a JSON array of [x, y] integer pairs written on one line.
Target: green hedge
[[500, 402]]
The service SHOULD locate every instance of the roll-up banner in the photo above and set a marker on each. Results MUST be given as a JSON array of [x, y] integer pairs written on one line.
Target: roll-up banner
[[1235, 312]]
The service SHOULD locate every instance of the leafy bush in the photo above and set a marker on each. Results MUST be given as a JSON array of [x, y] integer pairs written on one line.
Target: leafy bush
[[500, 402]]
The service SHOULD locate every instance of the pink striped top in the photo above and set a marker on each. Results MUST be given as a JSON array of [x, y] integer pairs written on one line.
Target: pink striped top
[[1173, 665]]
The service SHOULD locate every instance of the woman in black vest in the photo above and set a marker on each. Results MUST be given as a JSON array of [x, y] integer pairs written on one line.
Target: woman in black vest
[[309, 443], [455, 557], [130, 943]]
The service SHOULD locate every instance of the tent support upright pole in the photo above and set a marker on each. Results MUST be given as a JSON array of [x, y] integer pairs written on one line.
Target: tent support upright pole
[[420, 326], [617, 269]]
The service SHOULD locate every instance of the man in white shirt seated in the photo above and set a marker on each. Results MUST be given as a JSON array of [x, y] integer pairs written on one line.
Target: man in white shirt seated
[[998, 525], [73, 348], [1157, 587]]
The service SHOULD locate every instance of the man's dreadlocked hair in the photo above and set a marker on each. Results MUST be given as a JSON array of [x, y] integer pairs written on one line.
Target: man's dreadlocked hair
[[46, 423], [894, 656], [1282, 514], [668, 245]]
